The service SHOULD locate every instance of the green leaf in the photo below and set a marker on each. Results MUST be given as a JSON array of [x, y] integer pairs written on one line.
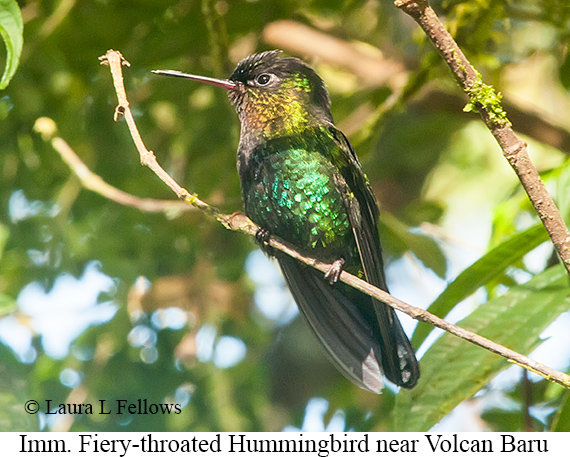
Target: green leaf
[[563, 192], [453, 370], [480, 273], [423, 247], [4, 233], [12, 31], [564, 71], [562, 421], [14, 392], [7, 305]]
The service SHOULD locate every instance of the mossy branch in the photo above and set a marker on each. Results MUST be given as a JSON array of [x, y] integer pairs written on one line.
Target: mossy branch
[[487, 102], [484, 96]]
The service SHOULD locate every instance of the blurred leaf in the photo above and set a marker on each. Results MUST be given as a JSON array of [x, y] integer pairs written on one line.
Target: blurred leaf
[[509, 213], [562, 421], [4, 233], [563, 193], [480, 273], [504, 419], [14, 391], [453, 370], [7, 304], [423, 247], [420, 211], [11, 29], [506, 414], [564, 71]]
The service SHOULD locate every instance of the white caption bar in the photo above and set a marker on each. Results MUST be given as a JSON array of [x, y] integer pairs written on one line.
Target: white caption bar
[[123, 444]]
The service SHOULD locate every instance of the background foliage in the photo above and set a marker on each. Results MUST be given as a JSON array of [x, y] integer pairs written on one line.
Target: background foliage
[[101, 301]]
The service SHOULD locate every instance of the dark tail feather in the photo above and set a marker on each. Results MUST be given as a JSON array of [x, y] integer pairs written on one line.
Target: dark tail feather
[[362, 336], [346, 322], [399, 362], [347, 334]]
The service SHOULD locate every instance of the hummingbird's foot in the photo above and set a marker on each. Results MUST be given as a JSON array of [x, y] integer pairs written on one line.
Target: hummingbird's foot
[[334, 271], [262, 236]]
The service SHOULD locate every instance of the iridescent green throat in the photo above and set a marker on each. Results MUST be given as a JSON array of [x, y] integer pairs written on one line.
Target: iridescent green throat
[[281, 113]]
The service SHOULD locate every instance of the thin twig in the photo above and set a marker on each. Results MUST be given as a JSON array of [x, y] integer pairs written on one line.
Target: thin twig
[[47, 128], [115, 61], [487, 103], [239, 222]]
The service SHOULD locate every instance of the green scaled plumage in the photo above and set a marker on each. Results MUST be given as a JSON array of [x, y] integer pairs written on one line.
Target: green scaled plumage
[[299, 201], [302, 181]]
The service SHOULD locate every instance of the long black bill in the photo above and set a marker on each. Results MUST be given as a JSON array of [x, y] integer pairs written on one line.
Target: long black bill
[[224, 83]]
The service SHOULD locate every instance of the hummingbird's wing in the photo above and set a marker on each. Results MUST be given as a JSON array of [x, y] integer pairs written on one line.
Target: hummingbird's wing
[[399, 363]]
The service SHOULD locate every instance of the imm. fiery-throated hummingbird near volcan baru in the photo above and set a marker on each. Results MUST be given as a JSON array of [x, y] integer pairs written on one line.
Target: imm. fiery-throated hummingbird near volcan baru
[[301, 181]]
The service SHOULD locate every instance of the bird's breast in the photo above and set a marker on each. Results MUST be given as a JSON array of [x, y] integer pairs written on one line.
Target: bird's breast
[[292, 193]]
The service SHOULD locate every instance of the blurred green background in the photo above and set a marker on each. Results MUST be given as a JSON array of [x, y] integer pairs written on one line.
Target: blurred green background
[[100, 301]]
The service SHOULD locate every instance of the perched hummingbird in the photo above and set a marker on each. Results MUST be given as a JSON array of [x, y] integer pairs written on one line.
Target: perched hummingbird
[[302, 181]]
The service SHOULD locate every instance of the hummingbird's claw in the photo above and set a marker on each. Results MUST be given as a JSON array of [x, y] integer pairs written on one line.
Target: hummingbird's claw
[[334, 271], [262, 237]]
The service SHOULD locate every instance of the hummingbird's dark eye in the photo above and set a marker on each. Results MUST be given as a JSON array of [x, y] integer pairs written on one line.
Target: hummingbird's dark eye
[[263, 79]]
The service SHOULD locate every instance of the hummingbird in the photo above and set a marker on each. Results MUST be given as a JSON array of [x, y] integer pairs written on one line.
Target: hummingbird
[[301, 181]]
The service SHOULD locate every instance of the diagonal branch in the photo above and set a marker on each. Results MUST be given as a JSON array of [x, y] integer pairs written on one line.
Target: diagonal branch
[[239, 222], [487, 103], [47, 128]]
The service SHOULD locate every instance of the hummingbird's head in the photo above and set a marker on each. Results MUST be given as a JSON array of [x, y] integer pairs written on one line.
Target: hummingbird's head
[[278, 93], [273, 94]]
